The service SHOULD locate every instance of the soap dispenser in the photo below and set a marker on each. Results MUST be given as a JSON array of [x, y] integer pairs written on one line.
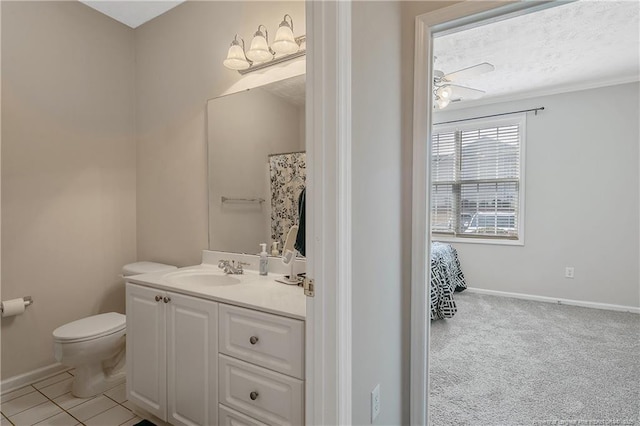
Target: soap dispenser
[[264, 260], [274, 249]]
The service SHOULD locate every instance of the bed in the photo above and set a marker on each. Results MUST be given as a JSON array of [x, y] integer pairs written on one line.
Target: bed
[[446, 278]]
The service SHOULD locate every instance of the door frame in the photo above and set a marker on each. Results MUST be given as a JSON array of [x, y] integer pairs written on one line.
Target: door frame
[[328, 231], [440, 20]]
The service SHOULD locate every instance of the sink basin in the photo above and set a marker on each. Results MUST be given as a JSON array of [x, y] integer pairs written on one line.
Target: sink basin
[[201, 277]]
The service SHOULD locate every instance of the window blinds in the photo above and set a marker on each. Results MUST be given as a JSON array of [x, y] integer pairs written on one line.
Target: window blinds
[[476, 181]]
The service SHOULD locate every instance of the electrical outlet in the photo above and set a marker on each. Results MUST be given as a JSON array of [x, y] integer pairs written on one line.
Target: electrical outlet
[[375, 402], [568, 272]]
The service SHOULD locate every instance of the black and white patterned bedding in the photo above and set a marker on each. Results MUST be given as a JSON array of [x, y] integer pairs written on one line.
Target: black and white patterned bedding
[[446, 277]]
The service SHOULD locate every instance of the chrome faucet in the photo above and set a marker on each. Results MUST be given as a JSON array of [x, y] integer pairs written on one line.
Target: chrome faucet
[[230, 266]]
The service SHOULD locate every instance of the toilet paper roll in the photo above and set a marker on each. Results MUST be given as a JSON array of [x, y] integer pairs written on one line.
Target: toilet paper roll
[[12, 307]]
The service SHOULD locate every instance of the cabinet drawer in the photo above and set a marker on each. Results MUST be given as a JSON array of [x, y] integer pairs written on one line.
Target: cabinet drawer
[[270, 341], [229, 417], [265, 395]]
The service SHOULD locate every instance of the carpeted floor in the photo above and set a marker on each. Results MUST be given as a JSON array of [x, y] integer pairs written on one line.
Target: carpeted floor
[[503, 361]]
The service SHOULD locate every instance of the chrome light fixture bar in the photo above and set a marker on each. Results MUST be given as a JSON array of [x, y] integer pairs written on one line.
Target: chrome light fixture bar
[[260, 54]]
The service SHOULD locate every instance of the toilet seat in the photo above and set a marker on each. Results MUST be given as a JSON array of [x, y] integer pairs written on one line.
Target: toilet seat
[[90, 328]]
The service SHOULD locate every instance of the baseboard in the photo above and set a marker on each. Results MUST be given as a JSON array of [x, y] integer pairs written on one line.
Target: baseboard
[[581, 303], [16, 382]]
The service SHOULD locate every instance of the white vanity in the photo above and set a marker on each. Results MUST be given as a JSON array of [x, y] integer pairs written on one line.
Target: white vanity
[[205, 348]]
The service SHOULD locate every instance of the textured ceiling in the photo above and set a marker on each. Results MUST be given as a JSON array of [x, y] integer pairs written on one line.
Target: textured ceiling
[[132, 13], [576, 45]]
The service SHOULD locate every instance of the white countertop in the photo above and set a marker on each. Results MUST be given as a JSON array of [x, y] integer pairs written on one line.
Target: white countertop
[[254, 291]]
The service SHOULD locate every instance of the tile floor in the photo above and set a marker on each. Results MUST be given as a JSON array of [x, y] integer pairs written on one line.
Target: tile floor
[[50, 403]]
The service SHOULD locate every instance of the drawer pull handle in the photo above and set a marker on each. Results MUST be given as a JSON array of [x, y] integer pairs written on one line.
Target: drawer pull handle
[[167, 299], [253, 340], [253, 395], [158, 298]]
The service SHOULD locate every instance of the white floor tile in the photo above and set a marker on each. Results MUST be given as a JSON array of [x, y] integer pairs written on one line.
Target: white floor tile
[[51, 380], [5, 422], [114, 416], [22, 403], [132, 422], [118, 394], [8, 396], [129, 405], [57, 389], [68, 401], [35, 414], [62, 419], [91, 408]]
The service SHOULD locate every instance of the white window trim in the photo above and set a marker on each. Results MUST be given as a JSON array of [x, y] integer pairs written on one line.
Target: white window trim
[[521, 120]]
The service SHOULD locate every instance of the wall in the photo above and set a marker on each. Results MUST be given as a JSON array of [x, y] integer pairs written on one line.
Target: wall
[[68, 170], [377, 203], [178, 68], [243, 130], [581, 200]]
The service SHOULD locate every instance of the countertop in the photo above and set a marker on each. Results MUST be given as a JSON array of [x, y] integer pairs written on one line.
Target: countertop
[[254, 291]]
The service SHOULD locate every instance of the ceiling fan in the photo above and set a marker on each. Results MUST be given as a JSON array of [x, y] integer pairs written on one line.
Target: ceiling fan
[[446, 92]]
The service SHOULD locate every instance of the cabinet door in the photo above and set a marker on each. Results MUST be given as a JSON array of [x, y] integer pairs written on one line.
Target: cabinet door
[[192, 350], [146, 349]]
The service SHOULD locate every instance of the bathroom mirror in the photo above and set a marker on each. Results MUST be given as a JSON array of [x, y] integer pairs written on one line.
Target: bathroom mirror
[[257, 165]]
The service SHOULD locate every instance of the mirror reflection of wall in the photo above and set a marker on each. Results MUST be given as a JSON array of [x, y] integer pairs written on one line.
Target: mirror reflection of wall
[[256, 165]]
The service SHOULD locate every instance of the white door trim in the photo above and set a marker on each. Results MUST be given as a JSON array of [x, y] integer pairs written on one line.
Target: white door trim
[[328, 231], [455, 16]]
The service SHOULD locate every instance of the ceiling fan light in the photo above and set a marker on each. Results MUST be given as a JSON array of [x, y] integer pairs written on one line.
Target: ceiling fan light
[[445, 92], [236, 59], [259, 50], [285, 42], [442, 103]]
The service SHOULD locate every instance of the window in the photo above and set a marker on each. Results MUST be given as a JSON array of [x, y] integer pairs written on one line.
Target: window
[[477, 180]]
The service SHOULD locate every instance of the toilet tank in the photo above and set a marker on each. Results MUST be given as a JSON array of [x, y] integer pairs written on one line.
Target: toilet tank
[[137, 268]]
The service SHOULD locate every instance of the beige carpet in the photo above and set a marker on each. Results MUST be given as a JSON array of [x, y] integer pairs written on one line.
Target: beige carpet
[[503, 361]]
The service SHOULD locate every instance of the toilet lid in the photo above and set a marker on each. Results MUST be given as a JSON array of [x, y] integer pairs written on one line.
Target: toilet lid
[[90, 327]]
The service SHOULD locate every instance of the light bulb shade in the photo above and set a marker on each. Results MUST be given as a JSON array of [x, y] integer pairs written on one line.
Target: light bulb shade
[[445, 92], [236, 60], [259, 50], [442, 103], [285, 43]]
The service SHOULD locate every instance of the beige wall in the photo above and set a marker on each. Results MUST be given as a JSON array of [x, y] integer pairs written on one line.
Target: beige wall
[[178, 68], [68, 170]]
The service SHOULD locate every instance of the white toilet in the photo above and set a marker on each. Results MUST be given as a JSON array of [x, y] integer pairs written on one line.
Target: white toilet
[[95, 345]]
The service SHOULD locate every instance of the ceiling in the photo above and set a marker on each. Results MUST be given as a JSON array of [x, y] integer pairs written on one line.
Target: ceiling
[[132, 13], [578, 45]]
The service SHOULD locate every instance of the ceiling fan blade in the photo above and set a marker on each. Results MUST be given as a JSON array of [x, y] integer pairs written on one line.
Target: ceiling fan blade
[[469, 72], [465, 92]]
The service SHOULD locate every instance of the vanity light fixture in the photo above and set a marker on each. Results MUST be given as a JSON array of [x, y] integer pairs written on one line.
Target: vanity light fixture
[[236, 59], [285, 43], [260, 50], [260, 55]]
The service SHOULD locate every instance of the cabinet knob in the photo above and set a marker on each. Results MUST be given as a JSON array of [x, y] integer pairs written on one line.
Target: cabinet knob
[[167, 299], [253, 395], [253, 340], [158, 298]]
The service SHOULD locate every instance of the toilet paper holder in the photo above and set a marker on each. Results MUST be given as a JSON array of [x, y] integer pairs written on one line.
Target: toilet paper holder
[[28, 300]]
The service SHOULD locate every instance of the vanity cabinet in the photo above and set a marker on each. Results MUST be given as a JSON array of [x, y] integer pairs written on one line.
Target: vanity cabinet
[[172, 351], [193, 361]]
